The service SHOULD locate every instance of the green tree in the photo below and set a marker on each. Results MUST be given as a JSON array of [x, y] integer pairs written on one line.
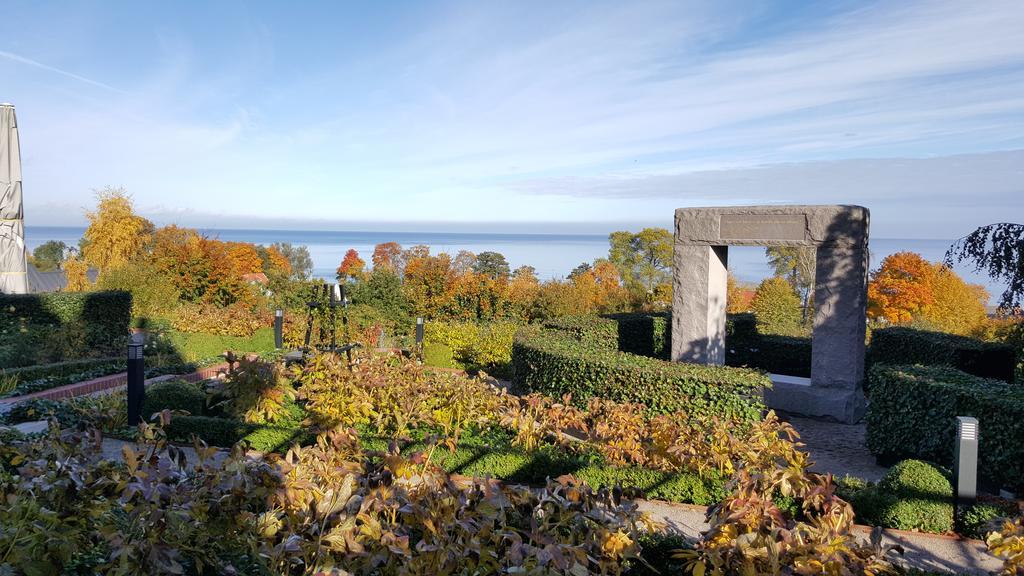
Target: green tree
[[998, 250], [49, 255], [797, 265], [382, 290], [644, 260], [492, 264], [153, 293], [579, 270], [777, 308], [298, 257]]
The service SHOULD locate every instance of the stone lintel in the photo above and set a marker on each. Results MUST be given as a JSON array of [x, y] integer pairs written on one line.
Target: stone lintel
[[800, 225]]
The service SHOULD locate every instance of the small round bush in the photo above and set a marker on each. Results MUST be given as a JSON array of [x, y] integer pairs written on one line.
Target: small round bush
[[925, 515], [917, 479], [913, 495], [173, 395]]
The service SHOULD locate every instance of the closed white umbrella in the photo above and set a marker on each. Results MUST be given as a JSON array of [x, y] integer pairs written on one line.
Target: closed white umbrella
[[13, 279]]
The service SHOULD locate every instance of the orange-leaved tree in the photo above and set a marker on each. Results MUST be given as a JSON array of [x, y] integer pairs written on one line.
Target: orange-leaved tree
[[351, 267], [901, 289], [386, 255], [907, 288]]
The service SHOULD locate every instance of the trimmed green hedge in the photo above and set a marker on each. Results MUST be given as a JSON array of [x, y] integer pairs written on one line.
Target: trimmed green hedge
[[899, 345], [45, 376], [174, 395], [581, 357], [86, 324], [913, 410], [745, 346], [227, 432], [650, 334]]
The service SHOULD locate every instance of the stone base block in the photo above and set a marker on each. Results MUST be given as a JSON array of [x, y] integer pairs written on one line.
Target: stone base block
[[797, 396]]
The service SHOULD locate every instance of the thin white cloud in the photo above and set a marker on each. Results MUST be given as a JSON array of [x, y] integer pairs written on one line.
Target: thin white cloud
[[23, 60]]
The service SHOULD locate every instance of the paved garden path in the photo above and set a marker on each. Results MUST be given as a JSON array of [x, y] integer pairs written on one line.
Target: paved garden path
[[839, 449]]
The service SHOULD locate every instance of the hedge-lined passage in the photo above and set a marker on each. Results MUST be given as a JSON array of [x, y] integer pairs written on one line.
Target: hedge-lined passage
[[899, 345], [913, 413], [59, 326], [576, 357]]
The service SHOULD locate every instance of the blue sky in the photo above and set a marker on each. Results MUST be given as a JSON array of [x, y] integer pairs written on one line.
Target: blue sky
[[575, 116]]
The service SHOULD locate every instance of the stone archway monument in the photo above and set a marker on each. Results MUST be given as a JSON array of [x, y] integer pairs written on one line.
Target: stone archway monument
[[840, 235]]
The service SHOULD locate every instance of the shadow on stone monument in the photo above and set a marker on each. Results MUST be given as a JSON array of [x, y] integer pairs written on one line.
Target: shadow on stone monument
[[840, 236]]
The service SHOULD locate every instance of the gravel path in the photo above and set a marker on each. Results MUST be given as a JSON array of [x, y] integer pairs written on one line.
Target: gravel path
[[839, 449]]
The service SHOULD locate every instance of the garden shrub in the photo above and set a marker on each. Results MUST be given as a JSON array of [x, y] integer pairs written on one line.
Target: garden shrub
[[915, 495], [650, 334], [777, 308], [327, 508], [573, 359], [31, 379], [472, 346], [913, 410], [238, 319], [174, 395], [227, 432], [981, 518], [901, 345], [54, 327]]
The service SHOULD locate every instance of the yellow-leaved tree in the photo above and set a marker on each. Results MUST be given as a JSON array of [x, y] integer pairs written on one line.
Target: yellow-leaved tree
[[76, 271], [116, 233]]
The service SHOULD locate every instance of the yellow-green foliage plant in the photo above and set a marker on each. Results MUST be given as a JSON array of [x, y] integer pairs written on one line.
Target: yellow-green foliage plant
[[472, 345], [750, 534], [1008, 544], [253, 391], [329, 508]]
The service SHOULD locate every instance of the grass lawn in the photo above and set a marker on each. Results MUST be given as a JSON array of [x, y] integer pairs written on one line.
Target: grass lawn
[[193, 347]]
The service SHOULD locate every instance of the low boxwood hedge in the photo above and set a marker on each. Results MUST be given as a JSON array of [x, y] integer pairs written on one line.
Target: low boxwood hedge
[[227, 432], [174, 395], [650, 334], [913, 410], [900, 345], [576, 361], [45, 376]]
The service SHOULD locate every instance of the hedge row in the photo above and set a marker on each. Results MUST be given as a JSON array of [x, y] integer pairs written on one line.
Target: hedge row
[[650, 334], [898, 345], [913, 410], [557, 361], [745, 346], [60, 369], [101, 317]]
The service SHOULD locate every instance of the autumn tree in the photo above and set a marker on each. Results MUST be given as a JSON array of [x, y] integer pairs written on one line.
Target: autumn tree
[[777, 308], [583, 268], [351, 267], [957, 307], [76, 270], [382, 290], [737, 298], [463, 262], [244, 257], [274, 263], [901, 288], [522, 292], [115, 233], [426, 281], [385, 255]]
